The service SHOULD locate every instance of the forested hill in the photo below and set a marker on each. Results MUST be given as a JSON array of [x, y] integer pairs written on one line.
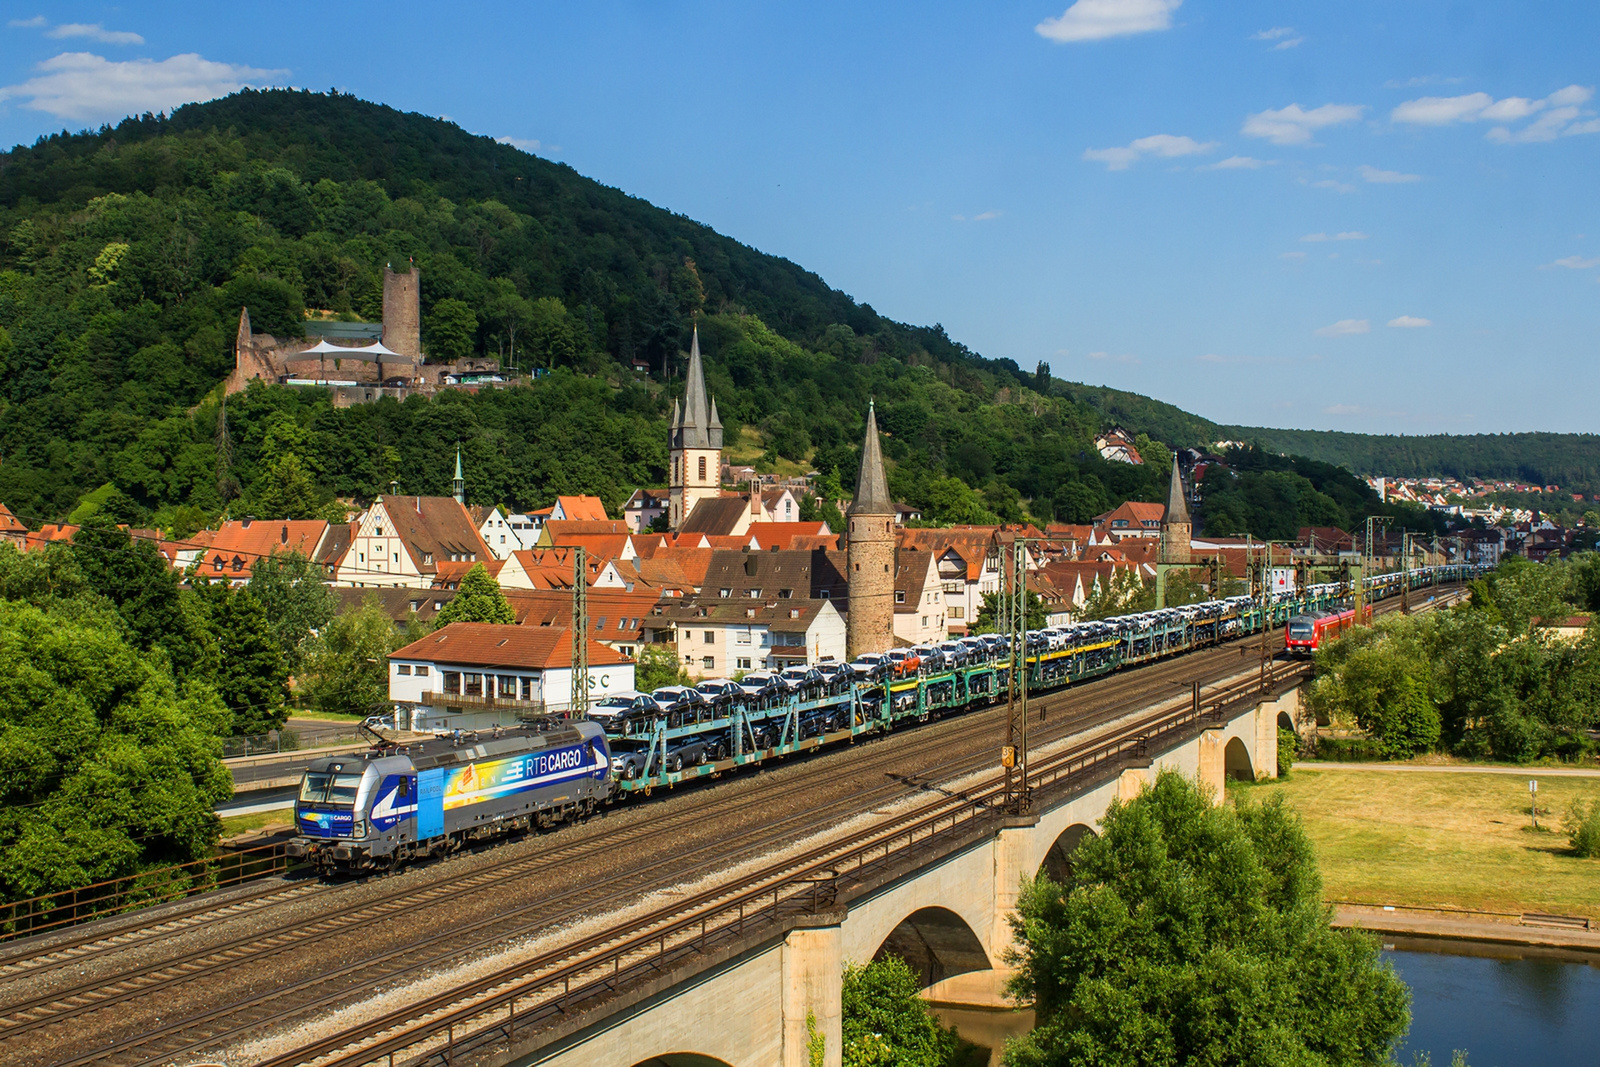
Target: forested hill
[[1570, 460], [126, 253]]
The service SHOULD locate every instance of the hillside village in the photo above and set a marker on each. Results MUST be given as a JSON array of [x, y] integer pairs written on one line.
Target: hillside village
[[719, 569]]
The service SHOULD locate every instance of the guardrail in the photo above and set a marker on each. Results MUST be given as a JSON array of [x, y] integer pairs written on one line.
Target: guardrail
[[160, 885]]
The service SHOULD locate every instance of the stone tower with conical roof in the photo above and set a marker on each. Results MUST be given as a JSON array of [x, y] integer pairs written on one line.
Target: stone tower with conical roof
[[1176, 530], [695, 439], [870, 544]]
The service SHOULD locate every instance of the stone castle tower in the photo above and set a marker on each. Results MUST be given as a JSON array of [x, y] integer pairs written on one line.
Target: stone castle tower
[[402, 312], [1176, 530], [695, 438], [870, 544]]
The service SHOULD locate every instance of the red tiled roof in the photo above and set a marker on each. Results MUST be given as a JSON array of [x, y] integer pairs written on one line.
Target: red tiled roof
[[771, 535], [434, 525], [482, 644], [582, 508], [9, 523], [237, 544]]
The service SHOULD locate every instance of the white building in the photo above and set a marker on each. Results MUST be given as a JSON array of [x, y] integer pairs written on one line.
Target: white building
[[717, 640], [402, 540], [474, 675]]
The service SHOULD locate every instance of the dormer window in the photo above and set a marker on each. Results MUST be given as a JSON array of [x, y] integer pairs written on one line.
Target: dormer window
[[427, 559]]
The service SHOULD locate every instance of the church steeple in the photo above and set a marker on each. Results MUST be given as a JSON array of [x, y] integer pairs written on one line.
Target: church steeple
[[460, 484], [872, 485], [699, 426], [695, 441]]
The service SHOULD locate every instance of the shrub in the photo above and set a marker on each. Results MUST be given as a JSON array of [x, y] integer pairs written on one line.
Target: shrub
[[1288, 748], [1583, 827]]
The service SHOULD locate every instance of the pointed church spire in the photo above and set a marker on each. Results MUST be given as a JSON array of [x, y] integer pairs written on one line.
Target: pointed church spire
[[872, 485], [460, 485], [700, 428], [1177, 508], [716, 422]]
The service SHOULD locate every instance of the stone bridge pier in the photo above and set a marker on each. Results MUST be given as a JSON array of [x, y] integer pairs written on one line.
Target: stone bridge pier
[[949, 919]]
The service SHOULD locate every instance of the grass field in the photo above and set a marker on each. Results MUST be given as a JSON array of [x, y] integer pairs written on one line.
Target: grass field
[[1442, 840], [234, 825]]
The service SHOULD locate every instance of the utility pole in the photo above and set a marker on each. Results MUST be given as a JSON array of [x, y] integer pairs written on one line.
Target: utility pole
[[1014, 755], [580, 635], [1405, 572]]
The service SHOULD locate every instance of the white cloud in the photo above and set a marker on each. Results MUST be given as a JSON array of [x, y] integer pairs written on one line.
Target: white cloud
[[1559, 114], [1291, 255], [1345, 328], [1336, 186], [1409, 322], [1385, 177], [1575, 263], [1441, 110], [1104, 356], [524, 143], [1096, 20], [983, 217], [95, 32], [80, 85], [1347, 235], [1164, 145], [1283, 35], [1238, 163], [1295, 125]]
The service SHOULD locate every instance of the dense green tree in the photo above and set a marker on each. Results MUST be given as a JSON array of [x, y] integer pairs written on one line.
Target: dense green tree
[[1197, 934], [479, 599], [884, 1022], [658, 666], [251, 673], [291, 590], [347, 667], [105, 769], [285, 490], [1479, 679], [989, 609], [450, 330], [134, 577]]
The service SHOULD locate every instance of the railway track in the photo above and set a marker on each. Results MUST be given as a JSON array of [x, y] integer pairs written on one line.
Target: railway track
[[1093, 704]]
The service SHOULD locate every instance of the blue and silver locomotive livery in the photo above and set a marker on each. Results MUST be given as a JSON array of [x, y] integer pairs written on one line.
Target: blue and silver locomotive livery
[[376, 810]]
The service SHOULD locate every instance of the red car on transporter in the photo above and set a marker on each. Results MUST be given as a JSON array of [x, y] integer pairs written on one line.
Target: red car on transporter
[[1307, 633]]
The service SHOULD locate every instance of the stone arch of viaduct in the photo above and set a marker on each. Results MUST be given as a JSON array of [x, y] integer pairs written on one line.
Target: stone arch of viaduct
[[948, 918]]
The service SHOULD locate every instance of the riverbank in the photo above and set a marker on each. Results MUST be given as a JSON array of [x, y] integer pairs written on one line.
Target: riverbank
[[1455, 839]]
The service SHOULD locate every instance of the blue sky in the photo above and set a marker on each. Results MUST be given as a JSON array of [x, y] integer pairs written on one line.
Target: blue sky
[[1371, 216]]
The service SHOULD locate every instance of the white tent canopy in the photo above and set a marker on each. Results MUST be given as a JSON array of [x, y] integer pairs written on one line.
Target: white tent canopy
[[373, 353]]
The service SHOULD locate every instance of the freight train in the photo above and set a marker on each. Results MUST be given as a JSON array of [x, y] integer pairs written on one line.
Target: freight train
[[396, 803]]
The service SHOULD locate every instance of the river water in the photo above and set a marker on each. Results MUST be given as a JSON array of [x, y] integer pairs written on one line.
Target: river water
[[1506, 1008]]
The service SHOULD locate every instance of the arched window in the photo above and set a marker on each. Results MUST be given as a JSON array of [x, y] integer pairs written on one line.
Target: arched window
[[702, 468]]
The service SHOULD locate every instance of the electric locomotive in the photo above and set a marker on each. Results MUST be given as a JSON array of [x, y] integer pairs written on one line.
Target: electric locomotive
[[376, 810]]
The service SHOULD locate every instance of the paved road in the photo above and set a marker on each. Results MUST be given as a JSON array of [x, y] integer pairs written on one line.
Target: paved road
[[1453, 768]]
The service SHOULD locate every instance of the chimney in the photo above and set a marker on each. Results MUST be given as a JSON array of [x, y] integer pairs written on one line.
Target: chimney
[[245, 525]]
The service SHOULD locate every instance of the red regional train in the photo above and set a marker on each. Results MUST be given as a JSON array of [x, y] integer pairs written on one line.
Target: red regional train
[[1307, 633]]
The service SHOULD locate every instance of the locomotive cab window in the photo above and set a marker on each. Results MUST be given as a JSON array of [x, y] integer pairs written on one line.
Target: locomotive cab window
[[335, 789]]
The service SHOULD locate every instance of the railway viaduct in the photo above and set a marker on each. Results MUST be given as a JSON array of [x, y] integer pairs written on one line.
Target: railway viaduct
[[946, 914]]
